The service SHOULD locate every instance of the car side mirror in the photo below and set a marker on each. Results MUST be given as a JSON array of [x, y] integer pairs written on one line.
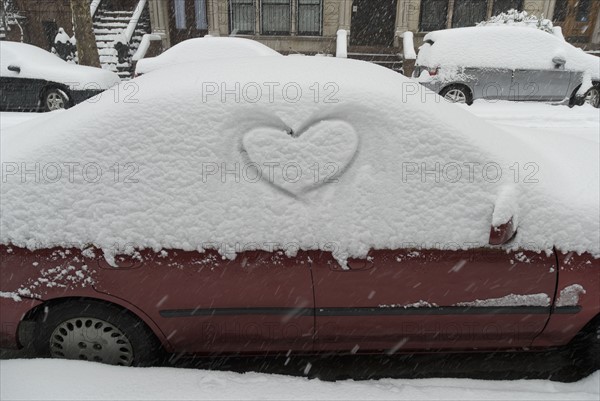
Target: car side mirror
[[503, 233], [14, 68], [559, 61]]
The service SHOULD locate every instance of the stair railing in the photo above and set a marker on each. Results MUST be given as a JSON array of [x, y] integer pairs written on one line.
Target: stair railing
[[137, 13], [94, 6]]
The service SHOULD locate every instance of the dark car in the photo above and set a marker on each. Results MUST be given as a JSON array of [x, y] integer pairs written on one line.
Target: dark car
[[34, 79]]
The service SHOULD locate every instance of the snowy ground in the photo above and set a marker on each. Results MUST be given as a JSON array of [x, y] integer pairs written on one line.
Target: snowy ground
[[75, 380], [53, 379]]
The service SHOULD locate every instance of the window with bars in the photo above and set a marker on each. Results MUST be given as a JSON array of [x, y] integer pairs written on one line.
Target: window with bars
[[583, 10], [201, 18], [276, 17], [469, 12], [560, 10], [502, 6], [179, 8], [310, 15], [434, 14], [242, 16]]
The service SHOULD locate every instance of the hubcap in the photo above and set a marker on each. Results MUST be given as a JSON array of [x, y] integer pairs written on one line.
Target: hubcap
[[91, 339], [456, 96], [55, 101], [593, 97]]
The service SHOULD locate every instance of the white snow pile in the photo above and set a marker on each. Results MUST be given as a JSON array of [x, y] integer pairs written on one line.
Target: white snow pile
[[514, 17], [36, 63], [44, 379], [197, 164], [199, 50], [510, 47]]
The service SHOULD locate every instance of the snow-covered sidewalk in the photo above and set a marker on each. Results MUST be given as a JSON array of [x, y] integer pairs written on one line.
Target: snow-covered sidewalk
[[74, 380]]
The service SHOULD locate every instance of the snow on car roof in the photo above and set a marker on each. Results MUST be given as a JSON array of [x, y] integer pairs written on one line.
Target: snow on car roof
[[37, 63], [205, 48], [509, 47], [290, 153]]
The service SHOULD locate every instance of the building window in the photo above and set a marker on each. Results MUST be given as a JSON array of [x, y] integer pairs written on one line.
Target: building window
[[275, 17], [434, 14], [502, 6], [200, 12], [310, 15], [583, 10], [180, 14], [241, 16], [560, 10], [469, 12]]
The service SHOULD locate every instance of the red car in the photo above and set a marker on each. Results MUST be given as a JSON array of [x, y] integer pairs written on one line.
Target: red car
[[165, 233]]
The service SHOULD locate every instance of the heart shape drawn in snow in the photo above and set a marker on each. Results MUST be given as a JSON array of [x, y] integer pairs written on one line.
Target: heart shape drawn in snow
[[303, 161]]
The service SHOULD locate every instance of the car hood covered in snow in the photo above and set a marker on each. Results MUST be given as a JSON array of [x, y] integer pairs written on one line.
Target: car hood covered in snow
[[36, 63], [205, 48], [302, 151]]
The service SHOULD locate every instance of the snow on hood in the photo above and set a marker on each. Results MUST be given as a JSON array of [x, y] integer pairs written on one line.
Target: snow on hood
[[512, 47], [36, 63], [202, 49], [290, 152]]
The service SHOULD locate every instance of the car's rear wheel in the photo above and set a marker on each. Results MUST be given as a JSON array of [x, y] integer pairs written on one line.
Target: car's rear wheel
[[95, 331], [54, 99], [592, 96], [457, 94]]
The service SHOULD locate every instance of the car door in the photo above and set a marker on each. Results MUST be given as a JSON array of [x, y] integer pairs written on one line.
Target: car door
[[433, 299], [205, 303], [541, 85], [489, 83]]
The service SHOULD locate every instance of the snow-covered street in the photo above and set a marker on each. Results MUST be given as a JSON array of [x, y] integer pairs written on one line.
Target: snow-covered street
[[74, 380]]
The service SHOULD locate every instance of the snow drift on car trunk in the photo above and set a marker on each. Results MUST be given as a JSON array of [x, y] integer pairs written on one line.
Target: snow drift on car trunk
[[289, 152]]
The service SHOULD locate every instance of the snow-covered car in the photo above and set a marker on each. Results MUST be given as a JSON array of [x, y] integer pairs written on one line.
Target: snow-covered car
[[292, 206], [33, 79], [199, 50], [506, 63]]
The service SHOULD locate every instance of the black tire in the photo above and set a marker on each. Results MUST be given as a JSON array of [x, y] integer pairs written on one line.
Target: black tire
[[592, 96], [54, 99], [142, 348], [462, 89]]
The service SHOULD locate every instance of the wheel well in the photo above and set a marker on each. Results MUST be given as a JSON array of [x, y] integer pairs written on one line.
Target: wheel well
[[38, 311], [463, 86]]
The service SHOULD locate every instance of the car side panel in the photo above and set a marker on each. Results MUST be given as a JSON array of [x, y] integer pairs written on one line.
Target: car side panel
[[541, 85], [428, 299], [206, 304], [490, 84], [578, 287]]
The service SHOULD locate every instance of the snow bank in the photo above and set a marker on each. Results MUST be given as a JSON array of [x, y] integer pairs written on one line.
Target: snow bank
[[74, 380], [511, 47], [202, 49], [199, 164], [36, 63]]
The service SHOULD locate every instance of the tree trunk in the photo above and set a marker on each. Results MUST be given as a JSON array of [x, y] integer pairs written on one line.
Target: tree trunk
[[87, 51]]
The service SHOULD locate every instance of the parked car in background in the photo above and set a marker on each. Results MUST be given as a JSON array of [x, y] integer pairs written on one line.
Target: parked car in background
[[302, 210], [34, 79], [202, 49], [506, 63]]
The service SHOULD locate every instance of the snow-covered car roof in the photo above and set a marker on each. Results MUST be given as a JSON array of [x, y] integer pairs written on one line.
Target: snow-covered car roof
[[36, 63], [202, 49], [512, 47], [290, 152]]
